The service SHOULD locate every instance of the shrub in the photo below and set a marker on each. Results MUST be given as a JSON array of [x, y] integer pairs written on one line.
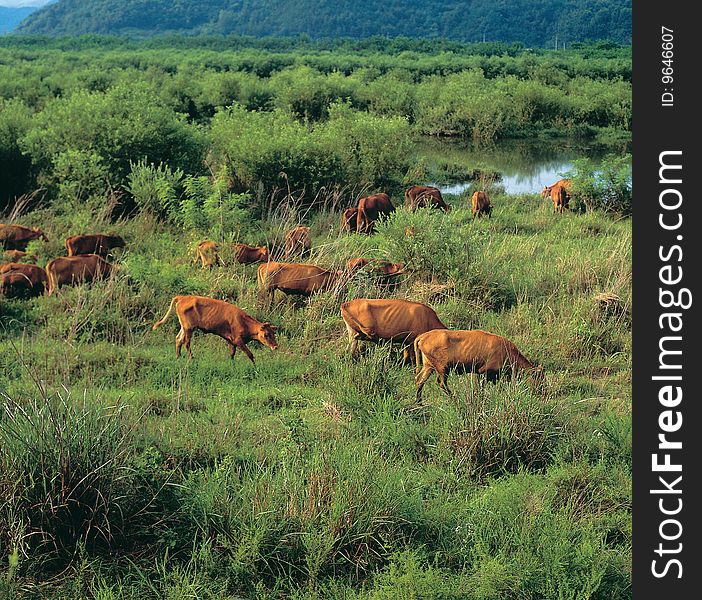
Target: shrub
[[64, 476], [428, 242], [606, 187]]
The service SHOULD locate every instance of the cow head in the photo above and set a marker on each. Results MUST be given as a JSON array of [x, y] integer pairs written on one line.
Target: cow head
[[392, 268], [117, 241], [263, 254], [546, 191], [41, 235], [266, 335], [537, 377]]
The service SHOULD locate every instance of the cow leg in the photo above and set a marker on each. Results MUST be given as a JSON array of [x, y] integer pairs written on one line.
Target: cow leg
[[408, 357], [421, 379], [179, 342], [354, 348], [245, 350], [232, 349], [441, 380], [187, 337]]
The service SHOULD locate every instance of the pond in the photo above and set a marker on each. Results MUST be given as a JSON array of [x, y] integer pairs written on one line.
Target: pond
[[526, 165]]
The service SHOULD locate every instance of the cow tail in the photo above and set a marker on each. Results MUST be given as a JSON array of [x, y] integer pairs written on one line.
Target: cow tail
[[361, 223], [417, 354], [51, 277], [158, 324]]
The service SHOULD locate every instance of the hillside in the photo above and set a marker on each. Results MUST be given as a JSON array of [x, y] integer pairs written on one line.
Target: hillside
[[532, 22]]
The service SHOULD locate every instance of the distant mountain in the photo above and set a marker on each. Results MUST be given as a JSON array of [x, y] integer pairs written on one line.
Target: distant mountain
[[532, 22], [11, 16]]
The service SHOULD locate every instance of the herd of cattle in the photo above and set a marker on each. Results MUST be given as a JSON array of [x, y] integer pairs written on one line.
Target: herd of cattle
[[427, 343]]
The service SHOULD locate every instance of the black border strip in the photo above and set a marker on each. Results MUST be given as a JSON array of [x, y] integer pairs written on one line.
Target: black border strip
[[661, 125]]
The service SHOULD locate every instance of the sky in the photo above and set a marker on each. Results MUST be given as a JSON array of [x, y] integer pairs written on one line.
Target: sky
[[15, 3]]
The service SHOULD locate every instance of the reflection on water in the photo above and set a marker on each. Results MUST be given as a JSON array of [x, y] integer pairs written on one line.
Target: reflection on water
[[526, 165]]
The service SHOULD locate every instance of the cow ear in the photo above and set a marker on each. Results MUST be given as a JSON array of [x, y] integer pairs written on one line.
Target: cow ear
[[273, 328]]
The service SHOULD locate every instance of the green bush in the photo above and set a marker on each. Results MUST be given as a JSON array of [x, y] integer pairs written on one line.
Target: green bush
[[605, 187], [124, 124], [428, 242], [66, 477]]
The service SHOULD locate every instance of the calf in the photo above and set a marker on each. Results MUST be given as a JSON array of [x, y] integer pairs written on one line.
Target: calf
[[207, 252], [370, 209], [16, 237], [296, 279], [98, 243], [74, 270], [480, 204], [383, 271], [472, 350], [559, 194], [298, 241], [399, 321], [227, 321], [349, 220], [22, 280], [424, 195], [247, 255]]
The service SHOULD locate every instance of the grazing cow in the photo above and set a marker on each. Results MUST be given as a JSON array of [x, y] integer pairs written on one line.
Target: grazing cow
[[16, 237], [471, 350], [559, 193], [384, 271], [399, 321], [424, 195], [370, 209], [296, 279], [74, 270], [247, 255], [227, 321], [480, 204], [297, 241], [207, 252], [349, 220], [22, 280], [15, 256], [98, 243]]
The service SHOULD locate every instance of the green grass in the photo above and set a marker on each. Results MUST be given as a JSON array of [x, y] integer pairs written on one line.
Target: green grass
[[308, 475]]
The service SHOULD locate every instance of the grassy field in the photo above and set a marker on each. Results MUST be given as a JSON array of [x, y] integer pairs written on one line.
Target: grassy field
[[126, 473]]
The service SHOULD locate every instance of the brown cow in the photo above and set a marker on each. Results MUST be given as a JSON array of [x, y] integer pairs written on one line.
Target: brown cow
[[424, 195], [247, 255], [74, 270], [20, 279], [480, 204], [207, 253], [399, 321], [559, 193], [227, 321], [472, 350], [16, 237], [298, 241], [384, 271], [370, 209], [15, 256], [98, 243], [349, 220], [296, 279]]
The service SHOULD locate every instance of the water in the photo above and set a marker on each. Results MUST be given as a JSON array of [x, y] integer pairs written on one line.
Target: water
[[526, 165]]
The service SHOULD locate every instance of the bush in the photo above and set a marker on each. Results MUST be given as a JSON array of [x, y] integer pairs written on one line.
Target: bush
[[65, 476], [606, 187], [429, 242], [125, 123]]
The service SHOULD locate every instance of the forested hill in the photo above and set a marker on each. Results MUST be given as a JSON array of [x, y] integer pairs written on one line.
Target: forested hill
[[533, 22]]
